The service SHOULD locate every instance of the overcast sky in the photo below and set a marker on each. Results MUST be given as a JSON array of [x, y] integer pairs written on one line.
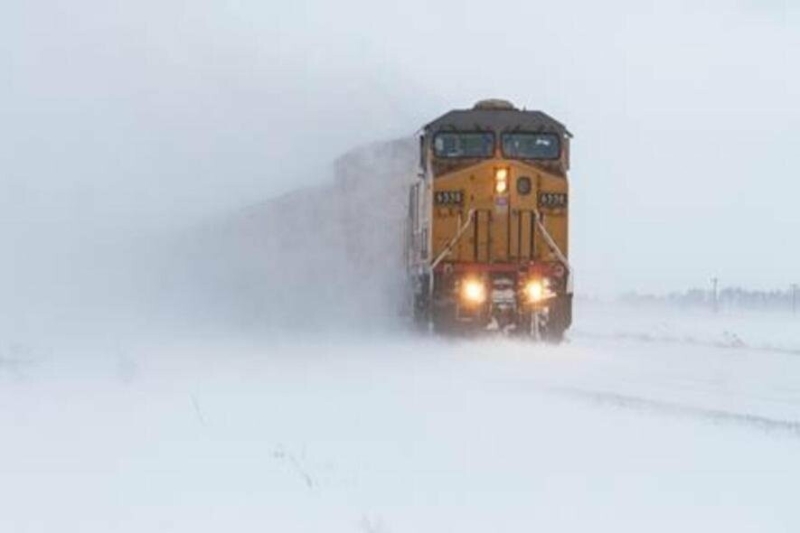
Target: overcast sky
[[119, 116]]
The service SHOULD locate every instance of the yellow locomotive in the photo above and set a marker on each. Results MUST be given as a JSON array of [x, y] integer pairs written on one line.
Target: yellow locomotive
[[488, 215]]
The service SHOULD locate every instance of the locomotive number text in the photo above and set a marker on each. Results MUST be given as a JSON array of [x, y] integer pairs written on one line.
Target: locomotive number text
[[552, 199], [449, 197]]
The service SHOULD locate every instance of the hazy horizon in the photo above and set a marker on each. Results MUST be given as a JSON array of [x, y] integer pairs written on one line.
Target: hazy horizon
[[124, 120]]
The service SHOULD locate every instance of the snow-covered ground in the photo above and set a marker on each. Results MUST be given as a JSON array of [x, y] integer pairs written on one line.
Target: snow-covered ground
[[771, 331], [625, 428], [241, 379]]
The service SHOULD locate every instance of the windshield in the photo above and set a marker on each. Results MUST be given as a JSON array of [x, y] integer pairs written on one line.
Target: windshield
[[478, 144], [531, 145]]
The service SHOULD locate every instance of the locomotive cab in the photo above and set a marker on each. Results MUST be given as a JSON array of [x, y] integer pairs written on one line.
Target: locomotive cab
[[488, 223]]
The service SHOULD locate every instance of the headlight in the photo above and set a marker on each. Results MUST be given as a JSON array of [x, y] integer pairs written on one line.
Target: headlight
[[501, 180], [534, 290], [538, 290], [473, 291]]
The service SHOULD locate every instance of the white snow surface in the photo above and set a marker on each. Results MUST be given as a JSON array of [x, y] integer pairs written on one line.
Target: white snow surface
[[251, 379], [618, 430]]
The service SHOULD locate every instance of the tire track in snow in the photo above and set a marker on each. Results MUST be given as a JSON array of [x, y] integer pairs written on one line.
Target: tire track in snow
[[729, 341], [766, 424]]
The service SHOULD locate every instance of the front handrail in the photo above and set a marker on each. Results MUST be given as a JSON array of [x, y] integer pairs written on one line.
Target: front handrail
[[549, 239], [450, 245], [551, 243], [554, 247]]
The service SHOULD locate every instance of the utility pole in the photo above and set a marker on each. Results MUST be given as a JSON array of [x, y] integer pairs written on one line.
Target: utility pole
[[714, 298], [794, 298]]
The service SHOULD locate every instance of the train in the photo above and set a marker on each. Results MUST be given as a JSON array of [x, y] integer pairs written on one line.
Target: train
[[487, 231]]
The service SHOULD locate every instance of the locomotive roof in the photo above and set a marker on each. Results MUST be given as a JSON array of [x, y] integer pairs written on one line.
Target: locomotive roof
[[498, 120]]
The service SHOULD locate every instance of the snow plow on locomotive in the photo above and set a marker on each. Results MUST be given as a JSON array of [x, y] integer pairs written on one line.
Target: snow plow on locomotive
[[488, 220]]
